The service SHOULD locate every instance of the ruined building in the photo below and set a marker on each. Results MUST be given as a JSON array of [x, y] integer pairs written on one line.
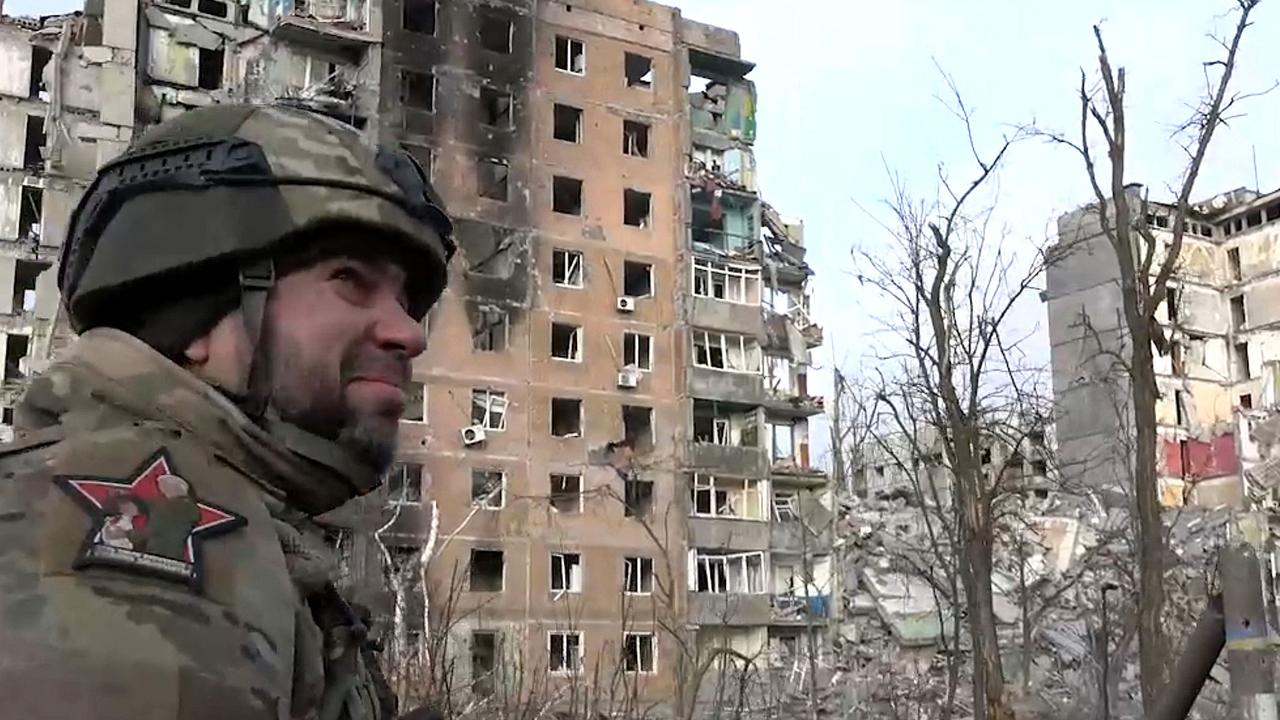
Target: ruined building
[[1219, 371], [611, 419]]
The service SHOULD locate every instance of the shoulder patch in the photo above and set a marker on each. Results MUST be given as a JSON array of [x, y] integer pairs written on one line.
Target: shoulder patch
[[152, 522]]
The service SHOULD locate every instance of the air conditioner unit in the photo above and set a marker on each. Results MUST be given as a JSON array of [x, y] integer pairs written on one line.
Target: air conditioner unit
[[628, 378], [473, 435], [626, 304]]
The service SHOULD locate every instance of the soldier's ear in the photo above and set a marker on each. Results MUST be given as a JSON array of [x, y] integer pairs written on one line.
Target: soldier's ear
[[197, 353]]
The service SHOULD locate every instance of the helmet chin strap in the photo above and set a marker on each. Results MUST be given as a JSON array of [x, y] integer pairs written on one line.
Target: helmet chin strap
[[257, 277]]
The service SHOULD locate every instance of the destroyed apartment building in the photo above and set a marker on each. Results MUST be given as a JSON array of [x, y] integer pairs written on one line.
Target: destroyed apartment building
[[1216, 377]]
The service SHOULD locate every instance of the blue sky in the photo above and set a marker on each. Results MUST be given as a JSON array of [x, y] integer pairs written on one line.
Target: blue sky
[[847, 87]]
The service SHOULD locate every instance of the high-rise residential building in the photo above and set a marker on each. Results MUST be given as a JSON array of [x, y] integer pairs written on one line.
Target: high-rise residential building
[[607, 441], [1218, 370]]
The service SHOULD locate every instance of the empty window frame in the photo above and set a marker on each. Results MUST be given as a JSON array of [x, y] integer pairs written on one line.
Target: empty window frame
[[721, 351], [635, 139], [30, 213], [419, 16], [639, 71], [782, 441], [637, 427], [566, 573], [1242, 361], [415, 402], [566, 195], [566, 268], [778, 374], [488, 488], [34, 142], [713, 424], [731, 283], [566, 493], [484, 661], [26, 274], [404, 484], [489, 409], [1233, 263], [209, 64], [565, 649], [636, 208], [637, 279], [566, 123], [638, 497], [722, 497], [418, 90], [637, 351], [1238, 317], [490, 328], [495, 32], [566, 417], [785, 505], [637, 575], [492, 178], [742, 573], [566, 342], [571, 55], [638, 653], [485, 573], [495, 107]]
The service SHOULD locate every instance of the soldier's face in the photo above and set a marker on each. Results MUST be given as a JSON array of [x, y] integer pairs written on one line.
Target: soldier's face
[[341, 344]]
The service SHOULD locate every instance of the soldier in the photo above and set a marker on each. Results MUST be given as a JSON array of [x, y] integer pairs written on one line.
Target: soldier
[[249, 284]]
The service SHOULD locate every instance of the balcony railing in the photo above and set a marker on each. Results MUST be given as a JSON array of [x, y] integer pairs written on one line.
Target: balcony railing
[[799, 608]]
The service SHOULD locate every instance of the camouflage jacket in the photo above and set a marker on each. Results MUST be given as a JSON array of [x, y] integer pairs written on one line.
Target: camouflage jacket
[[151, 564]]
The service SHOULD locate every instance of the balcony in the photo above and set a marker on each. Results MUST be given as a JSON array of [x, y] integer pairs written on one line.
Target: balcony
[[715, 314], [795, 473], [728, 533], [792, 537], [729, 609], [795, 406], [742, 388], [337, 27], [799, 609], [727, 459]]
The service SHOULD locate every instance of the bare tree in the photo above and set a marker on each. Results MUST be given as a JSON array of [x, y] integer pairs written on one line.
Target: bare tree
[[953, 287], [1144, 278]]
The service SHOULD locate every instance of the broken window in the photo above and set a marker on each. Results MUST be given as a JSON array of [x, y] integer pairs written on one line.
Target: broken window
[[25, 274], [33, 150], [1179, 413], [566, 268], [778, 374], [566, 342], [637, 575], [209, 73], [637, 279], [728, 573], [495, 107], [567, 123], [1175, 357], [785, 503], [486, 570], [571, 55], [727, 497], [484, 661], [415, 402], [40, 57], [1233, 262], [732, 283], [489, 409], [639, 71], [566, 195], [710, 158], [418, 89], [635, 139], [566, 651], [638, 497], [637, 351], [1242, 361], [638, 653], [15, 359], [490, 328], [1171, 303], [488, 488], [721, 351], [710, 426], [637, 427], [1246, 401], [635, 208], [488, 248], [566, 572], [1238, 318], [566, 493], [566, 417], [782, 441], [216, 8], [491, 178], [495, 32], [30, 210], [404, 483], [419, 16]]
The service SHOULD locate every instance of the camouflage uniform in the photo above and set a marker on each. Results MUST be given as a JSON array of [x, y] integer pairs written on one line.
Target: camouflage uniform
[[244, 622]]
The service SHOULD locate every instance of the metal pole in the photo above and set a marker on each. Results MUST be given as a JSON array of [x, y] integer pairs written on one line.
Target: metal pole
[[1197, 661], [1106, 658]]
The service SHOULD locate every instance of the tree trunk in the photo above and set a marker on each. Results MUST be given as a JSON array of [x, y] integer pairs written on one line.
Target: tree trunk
[[990, 702], [1153, 655]]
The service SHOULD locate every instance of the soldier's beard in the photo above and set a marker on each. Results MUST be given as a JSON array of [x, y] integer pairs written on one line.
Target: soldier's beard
[[309, 396]]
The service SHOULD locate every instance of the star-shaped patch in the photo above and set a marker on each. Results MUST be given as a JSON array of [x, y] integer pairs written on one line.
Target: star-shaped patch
[[152, 523]]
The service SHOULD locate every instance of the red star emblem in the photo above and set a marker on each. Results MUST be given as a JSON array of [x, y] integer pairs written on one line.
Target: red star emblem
[[154, 523]]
